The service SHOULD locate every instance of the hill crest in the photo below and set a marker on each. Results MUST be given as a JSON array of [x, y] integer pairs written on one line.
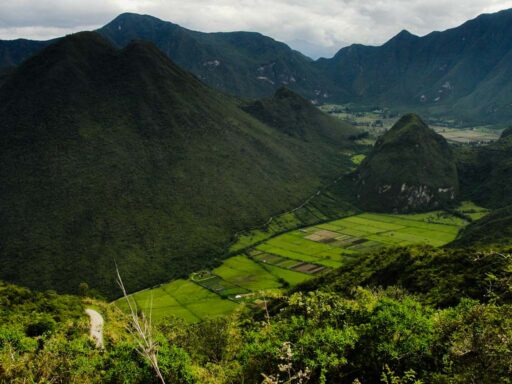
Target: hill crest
[[411, 168]]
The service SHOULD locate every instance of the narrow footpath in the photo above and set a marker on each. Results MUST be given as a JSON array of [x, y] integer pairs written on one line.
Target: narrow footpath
[[96, 327]]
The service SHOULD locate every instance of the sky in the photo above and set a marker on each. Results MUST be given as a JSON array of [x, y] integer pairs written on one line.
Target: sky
[[314, 27]]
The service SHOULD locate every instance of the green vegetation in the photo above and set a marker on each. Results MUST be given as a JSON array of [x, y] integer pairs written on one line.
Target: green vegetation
[[181, 298], [293, 283], [333, 202], [470, 210], [358, 159], [157, 174], [375, 121], [495, 228], [244, 272], [434, 315], [411, 168], [485, 172], [469, 85], [289, 259], [294, 116]]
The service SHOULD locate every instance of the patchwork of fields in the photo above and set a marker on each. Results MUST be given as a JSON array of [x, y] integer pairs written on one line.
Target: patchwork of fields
[[291, 258]]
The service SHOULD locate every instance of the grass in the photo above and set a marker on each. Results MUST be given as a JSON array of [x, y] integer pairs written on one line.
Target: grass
[[244, 272], [358, 159], [291, 277], [273, 264], [183, 299], [472, 210]]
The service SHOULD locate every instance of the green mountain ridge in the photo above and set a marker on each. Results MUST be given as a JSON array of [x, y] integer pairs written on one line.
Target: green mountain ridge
[[462, 73], [114, 154]]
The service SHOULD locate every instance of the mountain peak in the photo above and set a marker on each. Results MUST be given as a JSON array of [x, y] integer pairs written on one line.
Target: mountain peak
[[405, 33], [131, 17], [410, 168], [287, 93], [401, 37], [410, 121]]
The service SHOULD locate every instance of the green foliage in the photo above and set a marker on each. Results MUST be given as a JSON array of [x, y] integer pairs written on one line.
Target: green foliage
[[485, 172], [128, 176], [389, 377], [466, 84], [441, 316], [495, 228], [40, 326], [441, 277], [292, 115], [479, 343], [294, 257]]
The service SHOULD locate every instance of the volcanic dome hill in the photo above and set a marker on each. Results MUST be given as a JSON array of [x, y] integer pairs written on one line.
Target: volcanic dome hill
[[411, 168], [118, 154]]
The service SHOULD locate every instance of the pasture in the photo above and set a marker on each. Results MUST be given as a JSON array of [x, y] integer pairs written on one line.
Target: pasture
[[183, 299], [294, 257]]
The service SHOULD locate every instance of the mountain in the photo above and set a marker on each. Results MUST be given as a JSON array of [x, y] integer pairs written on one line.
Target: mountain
[[13, 52], [118, 154], [464, 72], [245, 64], [241, 63], [411, 168], [291, 114]]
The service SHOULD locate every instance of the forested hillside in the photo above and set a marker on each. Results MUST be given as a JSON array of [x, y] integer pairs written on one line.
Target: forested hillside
[[112, 154]]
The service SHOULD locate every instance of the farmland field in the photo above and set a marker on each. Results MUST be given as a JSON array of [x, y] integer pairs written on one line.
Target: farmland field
[[376, 121], [181, 298], [296, 256]]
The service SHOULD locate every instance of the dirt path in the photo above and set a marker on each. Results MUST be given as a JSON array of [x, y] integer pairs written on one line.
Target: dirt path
[[96, 327]]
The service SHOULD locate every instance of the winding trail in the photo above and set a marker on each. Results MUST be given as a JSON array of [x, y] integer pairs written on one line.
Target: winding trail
[[236, 236], [96, 327]]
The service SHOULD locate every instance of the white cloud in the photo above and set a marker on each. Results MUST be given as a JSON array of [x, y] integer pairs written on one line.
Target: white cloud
[[319, 27]]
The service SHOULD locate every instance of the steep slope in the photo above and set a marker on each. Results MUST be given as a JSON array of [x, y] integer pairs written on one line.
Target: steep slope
[[493, 229], [466, 69], [119, 154], [485, 172], [241, 63], [13, 52], [291, 114], [411, 168], [462, 73]]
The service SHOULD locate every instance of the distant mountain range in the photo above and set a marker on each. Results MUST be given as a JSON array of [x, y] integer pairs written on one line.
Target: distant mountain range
[[463, 73], [119, 154]]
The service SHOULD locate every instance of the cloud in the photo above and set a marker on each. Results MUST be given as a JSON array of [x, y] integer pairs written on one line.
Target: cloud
[[317, 27]]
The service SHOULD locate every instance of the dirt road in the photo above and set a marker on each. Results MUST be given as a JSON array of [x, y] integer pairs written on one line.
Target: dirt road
[[96, 327]]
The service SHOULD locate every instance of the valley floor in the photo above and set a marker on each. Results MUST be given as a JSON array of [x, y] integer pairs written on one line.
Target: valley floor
[[273, 265]]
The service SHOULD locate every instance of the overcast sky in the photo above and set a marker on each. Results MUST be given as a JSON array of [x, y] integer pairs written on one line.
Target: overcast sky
[[315, 27]]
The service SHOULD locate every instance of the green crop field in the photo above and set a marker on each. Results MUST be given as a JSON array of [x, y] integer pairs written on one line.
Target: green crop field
[[242, 271], [296, 256], [180, 298]]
